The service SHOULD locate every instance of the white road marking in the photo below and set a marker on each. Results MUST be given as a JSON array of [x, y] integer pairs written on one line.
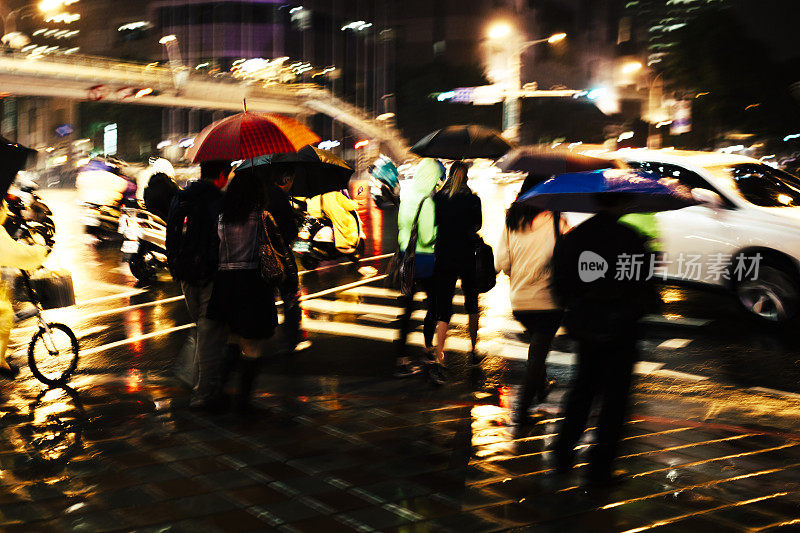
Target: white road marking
[[776, 392], [675, 321], [364, 260], [131, 340], [128, 294], [678, 375], [379, 313], [83, 333], [380, 292], [341, 288], [675, 344], [130, 308]]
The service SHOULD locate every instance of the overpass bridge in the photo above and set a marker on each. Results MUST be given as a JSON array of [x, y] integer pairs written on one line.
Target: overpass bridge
[[91, 78]]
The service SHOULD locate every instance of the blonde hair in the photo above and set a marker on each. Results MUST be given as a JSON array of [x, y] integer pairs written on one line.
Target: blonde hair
[[457, 178]]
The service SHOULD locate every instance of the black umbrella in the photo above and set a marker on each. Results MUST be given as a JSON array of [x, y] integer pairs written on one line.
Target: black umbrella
[[462, 142], [316, 171], [13, 158]]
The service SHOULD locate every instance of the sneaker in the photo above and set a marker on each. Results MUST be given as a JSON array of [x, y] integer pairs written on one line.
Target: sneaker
[[406, 370], [437, 374], [302, 346], [428, 356]]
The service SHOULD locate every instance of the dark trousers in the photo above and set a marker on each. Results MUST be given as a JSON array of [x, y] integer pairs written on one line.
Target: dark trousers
[[408, 304], [603, 369], [542, 327]]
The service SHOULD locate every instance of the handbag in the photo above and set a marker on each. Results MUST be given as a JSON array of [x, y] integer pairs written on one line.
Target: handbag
[[485, 274], [401, 267], [272, 255]]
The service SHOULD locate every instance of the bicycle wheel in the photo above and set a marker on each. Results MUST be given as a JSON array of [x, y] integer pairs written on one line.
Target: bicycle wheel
[[53, 357]]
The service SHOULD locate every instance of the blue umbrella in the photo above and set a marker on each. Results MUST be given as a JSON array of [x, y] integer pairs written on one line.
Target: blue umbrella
[[635, 192]]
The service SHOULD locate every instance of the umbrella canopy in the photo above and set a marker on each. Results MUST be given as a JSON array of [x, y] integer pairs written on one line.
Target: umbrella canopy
[[462, 142], [548, 162], [637, 192], [316, 171], [247, 135], [13, 158]]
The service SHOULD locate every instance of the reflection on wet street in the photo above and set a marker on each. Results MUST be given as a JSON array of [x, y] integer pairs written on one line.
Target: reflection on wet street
[[339, 445]]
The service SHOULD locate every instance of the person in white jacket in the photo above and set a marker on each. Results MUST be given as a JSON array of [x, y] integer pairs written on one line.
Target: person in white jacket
[[524, 252], [13, 254]]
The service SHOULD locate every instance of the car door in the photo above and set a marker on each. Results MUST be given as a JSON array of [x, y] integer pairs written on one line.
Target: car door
[[696, 241]]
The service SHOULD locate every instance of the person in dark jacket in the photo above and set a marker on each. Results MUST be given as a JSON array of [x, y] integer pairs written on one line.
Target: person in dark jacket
[[604, 293], [158, 194], [209, 333], [242, 299], [281, 210], [459, 217]]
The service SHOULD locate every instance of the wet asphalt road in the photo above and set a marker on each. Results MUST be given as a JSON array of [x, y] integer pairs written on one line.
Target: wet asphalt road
[[128, 330]]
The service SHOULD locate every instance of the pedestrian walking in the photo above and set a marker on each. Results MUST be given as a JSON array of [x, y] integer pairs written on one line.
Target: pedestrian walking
[[416, 202], [459, 217], [602, 309], [525, 252], [278, 205], [193, 257], [242, 299]]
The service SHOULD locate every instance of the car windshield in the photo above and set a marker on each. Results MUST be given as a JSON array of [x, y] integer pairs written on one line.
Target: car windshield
[[763, 185]]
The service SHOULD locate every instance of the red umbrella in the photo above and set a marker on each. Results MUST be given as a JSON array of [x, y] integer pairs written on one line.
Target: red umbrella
[[247, 135]]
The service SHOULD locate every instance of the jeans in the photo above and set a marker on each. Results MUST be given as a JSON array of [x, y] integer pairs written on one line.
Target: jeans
[[210, 338]]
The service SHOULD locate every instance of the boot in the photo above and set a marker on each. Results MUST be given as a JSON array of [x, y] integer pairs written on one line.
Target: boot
[[230, 359], [249, 368]]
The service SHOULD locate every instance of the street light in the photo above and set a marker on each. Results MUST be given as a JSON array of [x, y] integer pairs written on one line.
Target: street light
[[15, 39], [502, 33]]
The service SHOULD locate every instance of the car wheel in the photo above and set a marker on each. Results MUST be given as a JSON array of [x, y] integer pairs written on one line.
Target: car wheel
[[772, 297]]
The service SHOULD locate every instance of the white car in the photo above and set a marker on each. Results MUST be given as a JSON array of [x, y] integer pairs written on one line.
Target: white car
[[745, 234]]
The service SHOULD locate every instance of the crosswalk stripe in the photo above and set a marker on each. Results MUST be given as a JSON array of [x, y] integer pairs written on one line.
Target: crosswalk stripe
[[379, 313], [380, 292]]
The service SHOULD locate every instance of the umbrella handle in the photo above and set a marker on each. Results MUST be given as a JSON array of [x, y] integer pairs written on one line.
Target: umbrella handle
[[244, 104]]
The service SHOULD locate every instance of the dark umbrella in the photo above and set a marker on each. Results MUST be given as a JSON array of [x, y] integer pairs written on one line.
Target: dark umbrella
[[462, 142], [316, 171], [637, 192], [247, 135], [13, 158]]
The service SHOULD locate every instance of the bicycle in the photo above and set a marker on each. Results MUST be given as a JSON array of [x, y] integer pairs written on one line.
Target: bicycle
[[53, 350]]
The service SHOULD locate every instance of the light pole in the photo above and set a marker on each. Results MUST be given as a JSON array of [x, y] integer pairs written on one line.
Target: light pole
[[503, 35]]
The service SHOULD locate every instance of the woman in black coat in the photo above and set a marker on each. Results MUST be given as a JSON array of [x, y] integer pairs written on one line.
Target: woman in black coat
[[458, 217]]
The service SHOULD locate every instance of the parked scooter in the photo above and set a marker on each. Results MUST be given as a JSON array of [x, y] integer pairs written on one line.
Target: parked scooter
[[315, 238], [144, 245], [142, 227], [103, 190]]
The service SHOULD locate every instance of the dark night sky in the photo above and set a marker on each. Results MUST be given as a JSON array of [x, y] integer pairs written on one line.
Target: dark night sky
[[774, 22]]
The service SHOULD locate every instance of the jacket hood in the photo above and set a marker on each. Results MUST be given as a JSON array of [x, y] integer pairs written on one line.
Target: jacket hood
[[427, 175]]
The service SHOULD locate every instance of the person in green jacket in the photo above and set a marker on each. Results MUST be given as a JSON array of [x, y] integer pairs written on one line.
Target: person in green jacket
[[418, 196]]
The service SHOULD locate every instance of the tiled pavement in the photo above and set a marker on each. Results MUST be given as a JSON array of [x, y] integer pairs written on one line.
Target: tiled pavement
[[335, 454]]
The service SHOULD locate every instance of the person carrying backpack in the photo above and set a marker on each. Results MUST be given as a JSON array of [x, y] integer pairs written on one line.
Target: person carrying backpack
[[193, 257]]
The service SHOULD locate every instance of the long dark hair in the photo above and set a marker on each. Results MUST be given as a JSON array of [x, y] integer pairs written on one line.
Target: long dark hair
[[246, 194], [456, 178], [520, 215]]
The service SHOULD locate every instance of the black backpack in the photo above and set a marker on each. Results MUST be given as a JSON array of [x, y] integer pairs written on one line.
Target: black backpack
[[192, 241]]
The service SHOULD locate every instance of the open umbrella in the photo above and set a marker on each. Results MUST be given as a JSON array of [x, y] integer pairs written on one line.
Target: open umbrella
[[247, 135], [638, 192], [551, 162], [462, 142], [316, 171], [13, 158]]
